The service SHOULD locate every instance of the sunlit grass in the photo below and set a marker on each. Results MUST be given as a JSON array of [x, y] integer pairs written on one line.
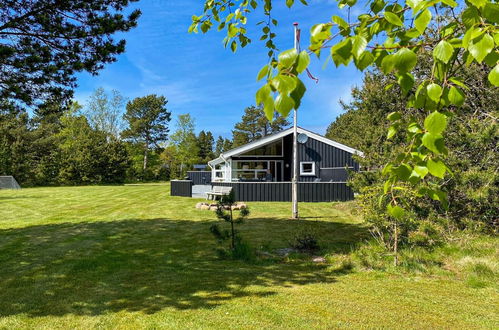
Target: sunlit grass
[[134, 257]]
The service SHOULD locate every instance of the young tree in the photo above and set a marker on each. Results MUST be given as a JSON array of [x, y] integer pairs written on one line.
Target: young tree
[[225, 211], [185, 141], [147, 118], [44, 43], [255, 125], [105, 113]]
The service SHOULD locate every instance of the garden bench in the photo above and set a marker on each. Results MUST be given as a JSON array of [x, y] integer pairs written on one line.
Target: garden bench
[[218, 191]]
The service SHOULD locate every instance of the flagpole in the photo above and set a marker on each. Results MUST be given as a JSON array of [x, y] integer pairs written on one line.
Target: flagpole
[[294, 181]]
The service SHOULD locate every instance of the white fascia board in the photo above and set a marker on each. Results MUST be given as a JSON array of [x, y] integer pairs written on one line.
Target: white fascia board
[[276, 136], [216, 161], [330, 142], [256, 144]]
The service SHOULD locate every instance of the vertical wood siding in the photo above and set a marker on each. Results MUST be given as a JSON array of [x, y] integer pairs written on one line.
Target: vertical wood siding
[[181, 188], [281, 191], [199, 177]]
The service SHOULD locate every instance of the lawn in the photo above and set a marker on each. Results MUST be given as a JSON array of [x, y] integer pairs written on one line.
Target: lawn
[[133, 257]]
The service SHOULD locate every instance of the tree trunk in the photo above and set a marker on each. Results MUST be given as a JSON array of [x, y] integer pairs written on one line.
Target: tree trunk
[[232, 228], [395, 245], [145, 159]]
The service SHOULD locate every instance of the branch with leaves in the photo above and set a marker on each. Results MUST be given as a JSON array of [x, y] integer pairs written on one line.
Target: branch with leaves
[[389, 35]]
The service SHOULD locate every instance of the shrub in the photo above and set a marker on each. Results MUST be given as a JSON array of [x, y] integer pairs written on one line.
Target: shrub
[[305, 242]]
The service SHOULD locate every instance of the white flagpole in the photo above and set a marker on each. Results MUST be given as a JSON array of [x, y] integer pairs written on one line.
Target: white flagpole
[[294, 182]]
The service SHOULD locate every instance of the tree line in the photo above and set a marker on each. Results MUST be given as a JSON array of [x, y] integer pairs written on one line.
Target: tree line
[[112, 140]]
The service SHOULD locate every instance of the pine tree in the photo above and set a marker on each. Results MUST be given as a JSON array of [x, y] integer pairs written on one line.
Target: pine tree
[[43, 44], [147, 119], [254, 125]]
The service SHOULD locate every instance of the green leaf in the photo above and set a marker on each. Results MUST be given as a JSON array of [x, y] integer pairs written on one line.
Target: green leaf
[[434, 92], [297, 93], [494, 76], [388, 63], [377, 5], [392, 116], [284, 84], [435, 123], [303, 61], [482, 47], [342, 52], [443, 51], [393, 18], [456, 96], [268, 108], [470, 16], [233, 46], [290, 3], [365, 60], [450, 3], [491, 12], [421, 171], [403, 172], [262, 94], [406, 81], [395, 211], [359, 45], [392, 130], [263, 72], [436, 168], [478, 3], [284, 104], [288, 57], [340, 21], [405, 60], [422, 21], [433, 142], [414, 128]]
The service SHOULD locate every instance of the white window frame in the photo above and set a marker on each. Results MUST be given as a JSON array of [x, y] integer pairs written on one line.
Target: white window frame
[[241, 155], [302, 173]]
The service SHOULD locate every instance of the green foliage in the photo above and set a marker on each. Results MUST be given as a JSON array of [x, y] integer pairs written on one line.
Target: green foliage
[[66, 150], [43, 44], [470, 193], [184, 149], [105, 112], [205, 143], [466, 37], [222, 145], [305, 242], [225, 211], [147, 119], [254, 125]]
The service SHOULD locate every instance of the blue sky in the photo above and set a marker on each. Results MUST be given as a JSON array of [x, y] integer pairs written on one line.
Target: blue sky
[[199, 76]]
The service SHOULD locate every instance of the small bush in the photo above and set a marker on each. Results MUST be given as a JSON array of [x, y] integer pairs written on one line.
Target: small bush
[[305, 242]]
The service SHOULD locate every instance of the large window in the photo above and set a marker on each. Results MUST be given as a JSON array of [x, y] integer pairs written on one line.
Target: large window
[[271, 149], [250, 170]]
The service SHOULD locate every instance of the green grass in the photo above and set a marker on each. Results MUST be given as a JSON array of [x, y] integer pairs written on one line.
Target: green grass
[[134, 257]]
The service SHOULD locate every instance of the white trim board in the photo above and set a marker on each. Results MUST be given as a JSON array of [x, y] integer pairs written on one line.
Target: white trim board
[[280, 135]]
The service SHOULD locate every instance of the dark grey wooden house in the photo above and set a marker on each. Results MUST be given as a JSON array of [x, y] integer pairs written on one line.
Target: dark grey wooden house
[[262, 170], [270, 160]]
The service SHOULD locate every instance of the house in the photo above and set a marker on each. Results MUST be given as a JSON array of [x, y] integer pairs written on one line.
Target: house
[[271, 159], [262, 170]]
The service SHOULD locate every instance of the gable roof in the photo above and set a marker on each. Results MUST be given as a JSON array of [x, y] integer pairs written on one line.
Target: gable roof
[[271, 138]]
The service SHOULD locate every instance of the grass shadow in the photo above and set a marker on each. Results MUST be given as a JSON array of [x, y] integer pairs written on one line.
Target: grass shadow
[[93, 268]]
